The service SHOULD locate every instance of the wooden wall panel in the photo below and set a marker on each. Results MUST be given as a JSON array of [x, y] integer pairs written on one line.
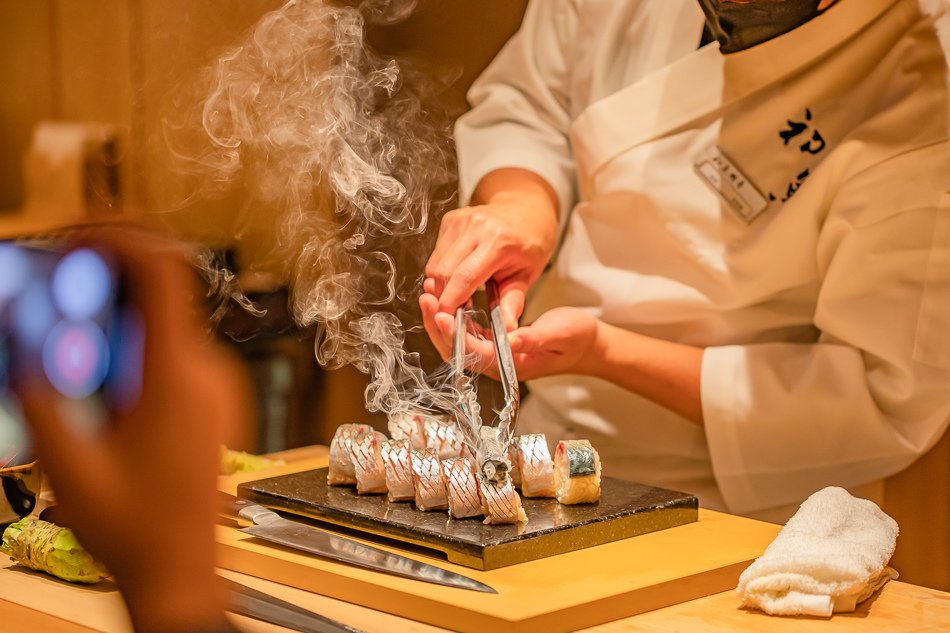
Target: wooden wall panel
[[173, 41], [93, 81], [92, 59], [26, 74]]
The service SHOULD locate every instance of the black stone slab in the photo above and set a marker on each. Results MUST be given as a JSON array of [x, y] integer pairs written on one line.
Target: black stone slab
[[625, 509]]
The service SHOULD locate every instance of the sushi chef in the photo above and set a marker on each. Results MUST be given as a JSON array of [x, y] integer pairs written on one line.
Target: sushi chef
[[724, 228]]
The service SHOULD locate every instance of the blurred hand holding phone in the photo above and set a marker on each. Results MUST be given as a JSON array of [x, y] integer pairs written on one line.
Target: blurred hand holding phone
[[64, 315], [128, 400]]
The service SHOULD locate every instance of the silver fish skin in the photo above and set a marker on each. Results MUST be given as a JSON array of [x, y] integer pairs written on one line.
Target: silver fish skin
[[408, 425], [500, 501], [536, 466], [396, 458], [461, 488], [443, 437], [427, 480], [342, 472], [576, 472], [515, 471], [365, 450]]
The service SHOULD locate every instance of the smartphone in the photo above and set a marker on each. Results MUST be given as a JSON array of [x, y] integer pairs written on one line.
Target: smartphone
[[65, 318]]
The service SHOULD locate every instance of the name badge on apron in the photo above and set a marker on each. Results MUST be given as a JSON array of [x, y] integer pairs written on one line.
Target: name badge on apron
[[723, 177]]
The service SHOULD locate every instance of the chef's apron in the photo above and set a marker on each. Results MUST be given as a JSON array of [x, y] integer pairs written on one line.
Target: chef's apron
[[703, 193]]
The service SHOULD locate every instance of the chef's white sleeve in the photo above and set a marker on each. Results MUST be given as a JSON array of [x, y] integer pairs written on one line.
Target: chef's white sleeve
[[520, 113], [873, 393]]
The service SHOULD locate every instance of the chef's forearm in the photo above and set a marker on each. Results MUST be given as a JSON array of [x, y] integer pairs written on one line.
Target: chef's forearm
[[664, 372], [512, 184]]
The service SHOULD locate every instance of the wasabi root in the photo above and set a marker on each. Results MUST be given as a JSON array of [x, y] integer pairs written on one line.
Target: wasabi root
[[52, 549], [240, 462]]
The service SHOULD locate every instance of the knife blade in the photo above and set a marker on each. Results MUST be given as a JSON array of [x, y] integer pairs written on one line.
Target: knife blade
[[270, 526], [267, 608]]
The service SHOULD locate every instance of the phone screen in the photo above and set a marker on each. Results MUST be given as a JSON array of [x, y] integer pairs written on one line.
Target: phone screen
[[64, 316]]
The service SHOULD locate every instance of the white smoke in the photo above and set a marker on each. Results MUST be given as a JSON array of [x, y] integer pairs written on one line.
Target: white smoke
[[347, 151]]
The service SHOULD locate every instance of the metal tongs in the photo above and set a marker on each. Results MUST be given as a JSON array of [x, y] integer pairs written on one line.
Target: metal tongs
[[491, 441]]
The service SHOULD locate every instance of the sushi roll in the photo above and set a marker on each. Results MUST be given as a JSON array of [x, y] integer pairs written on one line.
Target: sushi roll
[[407, 425], [576, 472], [443, 437], [461, 488], [341, 471], [500, 501], [428, 481], [366, 453], [395, 454], [536, 467]]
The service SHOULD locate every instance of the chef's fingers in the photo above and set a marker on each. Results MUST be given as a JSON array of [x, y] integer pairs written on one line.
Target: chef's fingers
[[430, 308], [468, 275], [452, 246], [429, 285], [532, 365], [65, 440], [512, 293], [531, 338], [484, 360], [479, 351]]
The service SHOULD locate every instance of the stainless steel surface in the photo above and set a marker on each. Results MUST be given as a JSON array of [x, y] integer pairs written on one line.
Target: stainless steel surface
[[265, 607], [468, 400], [506, 362], [270, 526], [490, 442]]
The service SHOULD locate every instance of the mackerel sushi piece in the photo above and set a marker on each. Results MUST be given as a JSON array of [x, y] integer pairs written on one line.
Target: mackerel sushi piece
[[443, 436], [428, 481], [576, 472], [341, 471], [407, 425], [500, 501], [366, 453], [536, 466], [395, 454], [461, 488]]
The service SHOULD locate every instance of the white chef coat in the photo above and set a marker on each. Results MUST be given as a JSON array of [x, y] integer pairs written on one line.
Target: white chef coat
[[817, 279]]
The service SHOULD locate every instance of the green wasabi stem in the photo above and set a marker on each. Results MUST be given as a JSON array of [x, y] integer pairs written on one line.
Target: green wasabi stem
[[52, 549], [240, 462]]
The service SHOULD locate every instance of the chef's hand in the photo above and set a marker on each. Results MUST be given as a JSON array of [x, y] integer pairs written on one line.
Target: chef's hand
[[510, 237], [560, 341], [572, 341], [140, 495]]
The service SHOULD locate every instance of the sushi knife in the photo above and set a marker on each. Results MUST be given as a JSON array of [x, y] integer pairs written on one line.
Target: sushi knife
[[270, 526], [265, 607]]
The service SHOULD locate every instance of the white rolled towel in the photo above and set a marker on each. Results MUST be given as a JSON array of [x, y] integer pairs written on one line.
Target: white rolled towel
[[831, 555]]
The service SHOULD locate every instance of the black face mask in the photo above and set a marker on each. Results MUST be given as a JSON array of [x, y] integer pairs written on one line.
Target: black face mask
[[738, 26]]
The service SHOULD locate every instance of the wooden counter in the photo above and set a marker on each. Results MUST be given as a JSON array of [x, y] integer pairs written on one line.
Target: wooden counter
[[35, 602]]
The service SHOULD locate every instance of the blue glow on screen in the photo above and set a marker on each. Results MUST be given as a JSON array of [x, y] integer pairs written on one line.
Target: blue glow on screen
[[82, 284], [14, 269], [33, 314]]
